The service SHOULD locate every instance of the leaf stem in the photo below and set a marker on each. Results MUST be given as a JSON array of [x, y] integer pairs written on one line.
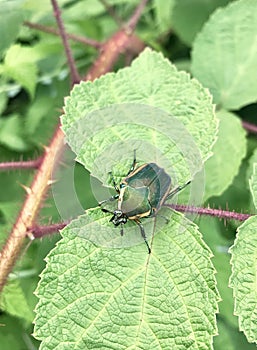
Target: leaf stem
[[31, 206], [26, 164], [250, 127], [75, 78], [219, 213], [41, 231], [132, 22], [118, 44], [73, 37]]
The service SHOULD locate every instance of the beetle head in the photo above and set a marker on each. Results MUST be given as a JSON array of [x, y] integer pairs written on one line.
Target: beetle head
[[119, 218]]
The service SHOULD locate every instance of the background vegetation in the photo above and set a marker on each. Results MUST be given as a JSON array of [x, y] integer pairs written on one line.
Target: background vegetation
[[215, 42]]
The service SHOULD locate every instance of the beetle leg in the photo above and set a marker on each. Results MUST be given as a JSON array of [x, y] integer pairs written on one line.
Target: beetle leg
[[112, 198], [106, 211], [155, 213], [132, 168], [121, 230], [114, 183], [142, 231], [177, 189]]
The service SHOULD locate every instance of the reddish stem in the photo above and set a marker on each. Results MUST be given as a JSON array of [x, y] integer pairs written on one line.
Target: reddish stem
[[132, 22], [75, 78], [54, 31], [41, 231], [219, 213], [250, 127], [27, 164]]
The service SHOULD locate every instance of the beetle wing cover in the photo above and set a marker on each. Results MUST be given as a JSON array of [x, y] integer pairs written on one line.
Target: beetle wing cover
[[153, 177]]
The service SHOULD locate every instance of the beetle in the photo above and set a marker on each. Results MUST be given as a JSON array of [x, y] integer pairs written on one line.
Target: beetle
[[140, 195]]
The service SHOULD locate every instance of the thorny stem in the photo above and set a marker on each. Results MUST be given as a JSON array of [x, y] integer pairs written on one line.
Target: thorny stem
[[35, 194], [131, 24], [219, 213], [26, 164], [31, 206], [124, 39], [75, 78], [73, 37], [41, 231]]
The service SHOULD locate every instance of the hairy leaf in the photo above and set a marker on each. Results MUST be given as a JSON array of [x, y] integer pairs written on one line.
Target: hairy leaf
[[253, 184], [10, 22], [166, 116], [189, 15], [225, 53], [243, 278], [163, 11], [12, 133], [228, 153], [13, 301], [126, 298], [19, 64]]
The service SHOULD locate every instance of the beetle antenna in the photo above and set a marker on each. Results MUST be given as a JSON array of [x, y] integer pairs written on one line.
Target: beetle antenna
[[142, 230], [177, 189]]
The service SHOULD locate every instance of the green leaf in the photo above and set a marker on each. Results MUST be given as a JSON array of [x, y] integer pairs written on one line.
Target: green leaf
[[43, 113], [10, 22], [126, 298], [13, 335], [189, 16], [212, 234], [243, 278], [163, 11], [228, 153], [11, 133], [230, 338], [13, 301], [249, 171], [224, 339], [19, 65], [225, 54], [150, 107], [3, 101], [253, 184]]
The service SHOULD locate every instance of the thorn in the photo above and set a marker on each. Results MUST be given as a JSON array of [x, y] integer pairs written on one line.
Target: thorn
[[27, 189], [59, 110], [46, 148], [30, 235], [63, 164], [51, 182]]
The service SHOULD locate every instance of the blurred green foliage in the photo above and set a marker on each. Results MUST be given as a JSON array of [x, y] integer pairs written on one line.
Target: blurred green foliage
[[33, 83]]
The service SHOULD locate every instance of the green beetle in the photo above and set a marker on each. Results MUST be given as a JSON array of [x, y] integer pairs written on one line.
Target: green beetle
[[140, 195]]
